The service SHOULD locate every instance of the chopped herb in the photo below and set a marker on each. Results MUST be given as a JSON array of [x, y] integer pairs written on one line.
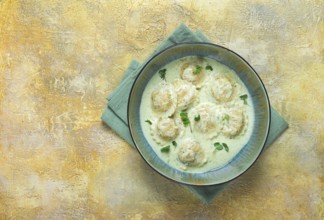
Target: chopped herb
[[244, 97], [162, 73], [218, 146], [197, 70], [226, 147], [185, 120], [184, 114], [197, 118], [209, 67], [148, 121], [165, 149], [226, 117], [174, 143]]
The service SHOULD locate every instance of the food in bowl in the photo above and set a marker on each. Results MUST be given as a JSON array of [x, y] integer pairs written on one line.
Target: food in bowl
[[173, 118], [196, 114]]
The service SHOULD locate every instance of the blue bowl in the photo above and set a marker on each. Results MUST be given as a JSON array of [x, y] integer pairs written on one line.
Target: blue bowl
[[249, 153]]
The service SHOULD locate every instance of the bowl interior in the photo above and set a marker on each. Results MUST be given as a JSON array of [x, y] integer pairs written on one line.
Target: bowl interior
[[249, 153]]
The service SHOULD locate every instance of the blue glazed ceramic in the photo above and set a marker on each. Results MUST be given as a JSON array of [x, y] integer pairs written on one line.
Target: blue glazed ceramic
[[250, 152]]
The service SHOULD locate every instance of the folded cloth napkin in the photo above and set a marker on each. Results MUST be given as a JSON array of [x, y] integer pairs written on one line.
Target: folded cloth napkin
[[115, 114]]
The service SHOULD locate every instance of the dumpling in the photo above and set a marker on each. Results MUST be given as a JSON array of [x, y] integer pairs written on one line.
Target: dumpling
[[191, 153], [221, 89], [165, 129], [206, 119], [193, 73], [186, 93], [233, 121], [164, 99]]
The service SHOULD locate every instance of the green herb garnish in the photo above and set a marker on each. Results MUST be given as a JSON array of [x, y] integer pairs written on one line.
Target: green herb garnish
[[244, 97], [226, 147], [162, 73], [165, 149], [185, 119], [226, 117], [174, 143], [197, 118], [197, 70], [209, 67], [148, 121], [218, 146]]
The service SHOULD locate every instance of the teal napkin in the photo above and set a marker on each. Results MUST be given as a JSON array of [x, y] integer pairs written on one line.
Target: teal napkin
[[115, 114]]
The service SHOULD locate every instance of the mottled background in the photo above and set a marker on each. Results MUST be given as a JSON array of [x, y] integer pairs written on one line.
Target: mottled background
[[60, 59]]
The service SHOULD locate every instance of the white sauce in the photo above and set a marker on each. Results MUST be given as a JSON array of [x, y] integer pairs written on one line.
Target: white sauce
[[214, 158]]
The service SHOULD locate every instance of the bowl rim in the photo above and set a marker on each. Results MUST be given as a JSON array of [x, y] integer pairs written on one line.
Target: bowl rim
[[241, 58]]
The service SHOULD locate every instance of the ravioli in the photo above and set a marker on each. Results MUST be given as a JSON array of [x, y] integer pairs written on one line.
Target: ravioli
[[193, 73], [207, 118], [165, 129], [164, 99], [191, 153], [186, 93], [233, 122], [221, 89]]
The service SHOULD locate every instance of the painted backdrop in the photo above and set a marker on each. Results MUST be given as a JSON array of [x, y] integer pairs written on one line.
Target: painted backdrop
[[60, 59]]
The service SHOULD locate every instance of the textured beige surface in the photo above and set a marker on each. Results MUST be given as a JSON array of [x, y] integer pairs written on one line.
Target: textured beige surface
[[60, 59]]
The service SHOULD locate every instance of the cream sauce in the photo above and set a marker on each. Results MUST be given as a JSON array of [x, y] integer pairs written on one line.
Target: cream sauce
[[214, 158]]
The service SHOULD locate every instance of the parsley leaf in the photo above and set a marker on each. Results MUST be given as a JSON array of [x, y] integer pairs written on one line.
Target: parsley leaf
[[226, 147], [162, 73], [174, 143], [165, 149], [148, 121], [244, 97], [197, 118], [184, 114], [197, 70], [218, 146], [226, 117], [185, 119], [209, 67]]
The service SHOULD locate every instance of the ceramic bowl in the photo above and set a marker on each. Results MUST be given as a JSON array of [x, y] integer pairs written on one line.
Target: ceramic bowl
[[249, 153]]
